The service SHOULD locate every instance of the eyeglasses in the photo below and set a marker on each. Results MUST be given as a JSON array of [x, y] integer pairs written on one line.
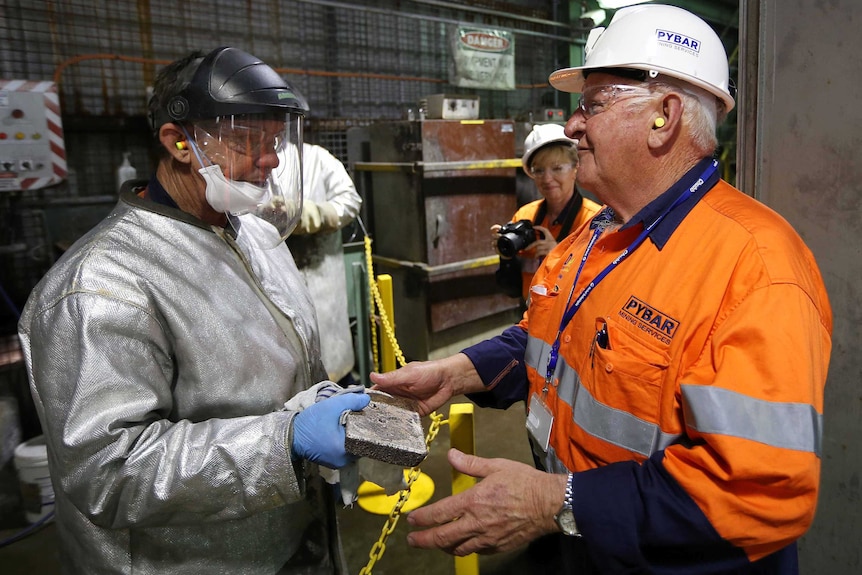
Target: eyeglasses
[[250, 141], [556, 171], [598, 99]]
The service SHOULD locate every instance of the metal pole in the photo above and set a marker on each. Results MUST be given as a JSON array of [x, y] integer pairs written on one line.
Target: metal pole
[[363, 328]]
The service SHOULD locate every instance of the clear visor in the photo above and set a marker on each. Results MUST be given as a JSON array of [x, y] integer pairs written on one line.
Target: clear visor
[[252, 166]]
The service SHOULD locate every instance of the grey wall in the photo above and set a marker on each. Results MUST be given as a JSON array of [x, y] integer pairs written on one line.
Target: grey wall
[[805, 162]]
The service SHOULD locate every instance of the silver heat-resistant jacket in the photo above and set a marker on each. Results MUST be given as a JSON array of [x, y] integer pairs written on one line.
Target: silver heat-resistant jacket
[[160, 357]]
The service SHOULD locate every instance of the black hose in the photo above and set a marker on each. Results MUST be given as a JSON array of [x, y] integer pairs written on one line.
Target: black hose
[[28, 531]]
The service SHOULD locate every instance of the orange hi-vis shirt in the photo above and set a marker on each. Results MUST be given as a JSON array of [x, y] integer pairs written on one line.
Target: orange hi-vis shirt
[[708, 350], [528, 259]]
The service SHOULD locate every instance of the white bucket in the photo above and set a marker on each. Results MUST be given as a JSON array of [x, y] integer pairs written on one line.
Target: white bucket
[[37, 493]]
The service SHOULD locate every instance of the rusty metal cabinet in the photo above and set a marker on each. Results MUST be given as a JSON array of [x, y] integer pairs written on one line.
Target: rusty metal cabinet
[[437, 186]]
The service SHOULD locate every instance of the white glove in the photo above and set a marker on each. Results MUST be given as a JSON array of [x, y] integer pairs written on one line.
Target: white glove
[[309, 221], [316, 217]]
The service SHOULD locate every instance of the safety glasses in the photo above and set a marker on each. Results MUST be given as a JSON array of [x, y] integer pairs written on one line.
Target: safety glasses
[[557, 171], [597, 99]]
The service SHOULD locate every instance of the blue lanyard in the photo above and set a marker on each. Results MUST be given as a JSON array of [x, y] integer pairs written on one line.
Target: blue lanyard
[[572, 309]]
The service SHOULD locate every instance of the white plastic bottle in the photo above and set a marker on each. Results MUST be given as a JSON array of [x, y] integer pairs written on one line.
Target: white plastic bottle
[[126, 171]]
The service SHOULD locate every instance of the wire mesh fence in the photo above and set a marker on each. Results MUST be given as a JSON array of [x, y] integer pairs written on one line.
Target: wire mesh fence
[[377, 57], [356, 63]]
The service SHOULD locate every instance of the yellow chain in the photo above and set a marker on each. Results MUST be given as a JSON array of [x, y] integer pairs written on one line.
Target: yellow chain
[[374, 292], [379, 547], [372, 289]]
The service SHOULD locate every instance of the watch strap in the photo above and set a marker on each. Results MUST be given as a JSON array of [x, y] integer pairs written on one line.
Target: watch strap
[[565, 517]]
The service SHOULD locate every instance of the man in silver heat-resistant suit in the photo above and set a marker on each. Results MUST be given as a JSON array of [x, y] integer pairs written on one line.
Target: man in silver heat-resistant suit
[[163, 346]]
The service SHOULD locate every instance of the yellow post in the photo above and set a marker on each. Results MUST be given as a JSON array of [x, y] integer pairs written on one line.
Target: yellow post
[[387, 352], [462, 438]]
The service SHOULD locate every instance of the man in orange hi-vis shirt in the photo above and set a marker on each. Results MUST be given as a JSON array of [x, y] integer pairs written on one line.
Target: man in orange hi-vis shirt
[[674, 353]]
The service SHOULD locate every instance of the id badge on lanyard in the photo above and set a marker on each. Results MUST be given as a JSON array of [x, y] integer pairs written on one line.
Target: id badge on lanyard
[[539, 421]]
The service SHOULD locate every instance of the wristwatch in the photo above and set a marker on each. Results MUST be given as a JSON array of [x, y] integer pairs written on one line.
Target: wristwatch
[[565, 517]]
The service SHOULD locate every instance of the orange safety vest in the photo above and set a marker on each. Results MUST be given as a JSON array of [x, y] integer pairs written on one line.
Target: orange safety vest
[[527, 258], [716, 351]]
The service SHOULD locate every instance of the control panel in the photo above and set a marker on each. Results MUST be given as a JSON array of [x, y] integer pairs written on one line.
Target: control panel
[[32, 151], [550, 115], [449, 107]]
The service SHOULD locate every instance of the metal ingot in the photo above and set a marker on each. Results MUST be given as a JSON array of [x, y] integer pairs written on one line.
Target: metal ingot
[[388, 430]]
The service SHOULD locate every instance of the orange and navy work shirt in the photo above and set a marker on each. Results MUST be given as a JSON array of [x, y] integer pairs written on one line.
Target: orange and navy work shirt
[[528, 259], [688, 394]]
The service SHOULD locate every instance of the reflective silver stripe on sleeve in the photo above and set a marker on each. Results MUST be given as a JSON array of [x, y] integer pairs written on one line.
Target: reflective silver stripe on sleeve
[[714, 410], [606, 423]]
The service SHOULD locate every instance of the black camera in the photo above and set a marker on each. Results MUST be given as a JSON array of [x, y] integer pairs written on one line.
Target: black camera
[[514, 237]]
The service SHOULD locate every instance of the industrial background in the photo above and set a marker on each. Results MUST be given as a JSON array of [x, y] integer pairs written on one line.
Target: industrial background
[[792, 142]]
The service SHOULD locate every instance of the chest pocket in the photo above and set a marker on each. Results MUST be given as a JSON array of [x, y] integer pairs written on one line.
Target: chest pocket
[[627, 371], [541, 307]]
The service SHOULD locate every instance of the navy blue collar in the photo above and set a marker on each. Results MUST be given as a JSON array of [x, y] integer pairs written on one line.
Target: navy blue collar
[[156, 193], [662, 232]]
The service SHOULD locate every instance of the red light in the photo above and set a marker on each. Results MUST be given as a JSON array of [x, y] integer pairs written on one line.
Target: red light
[[17, 113], [3, 136]]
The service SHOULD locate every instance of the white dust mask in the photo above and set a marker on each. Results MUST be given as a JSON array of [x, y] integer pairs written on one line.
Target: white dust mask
[[230, 196]]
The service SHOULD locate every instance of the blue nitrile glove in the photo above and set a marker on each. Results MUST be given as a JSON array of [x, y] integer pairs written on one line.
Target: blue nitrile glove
[[318, 434]]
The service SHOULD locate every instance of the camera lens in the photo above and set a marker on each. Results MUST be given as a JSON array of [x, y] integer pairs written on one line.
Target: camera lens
[[514, 237], [507, 245]]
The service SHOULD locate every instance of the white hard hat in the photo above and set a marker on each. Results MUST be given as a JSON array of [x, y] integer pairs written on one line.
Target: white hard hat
[[540, 136], [659, 40]]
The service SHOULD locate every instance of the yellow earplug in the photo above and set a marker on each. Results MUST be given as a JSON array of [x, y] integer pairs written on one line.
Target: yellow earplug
[[659, 122], [181, 145]]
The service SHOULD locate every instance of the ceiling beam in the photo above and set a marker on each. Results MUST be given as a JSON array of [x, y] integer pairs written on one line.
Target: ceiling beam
[[720, 14]]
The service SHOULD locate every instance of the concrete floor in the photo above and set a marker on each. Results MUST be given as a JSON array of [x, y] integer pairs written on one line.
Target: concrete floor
[[497, 434]]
